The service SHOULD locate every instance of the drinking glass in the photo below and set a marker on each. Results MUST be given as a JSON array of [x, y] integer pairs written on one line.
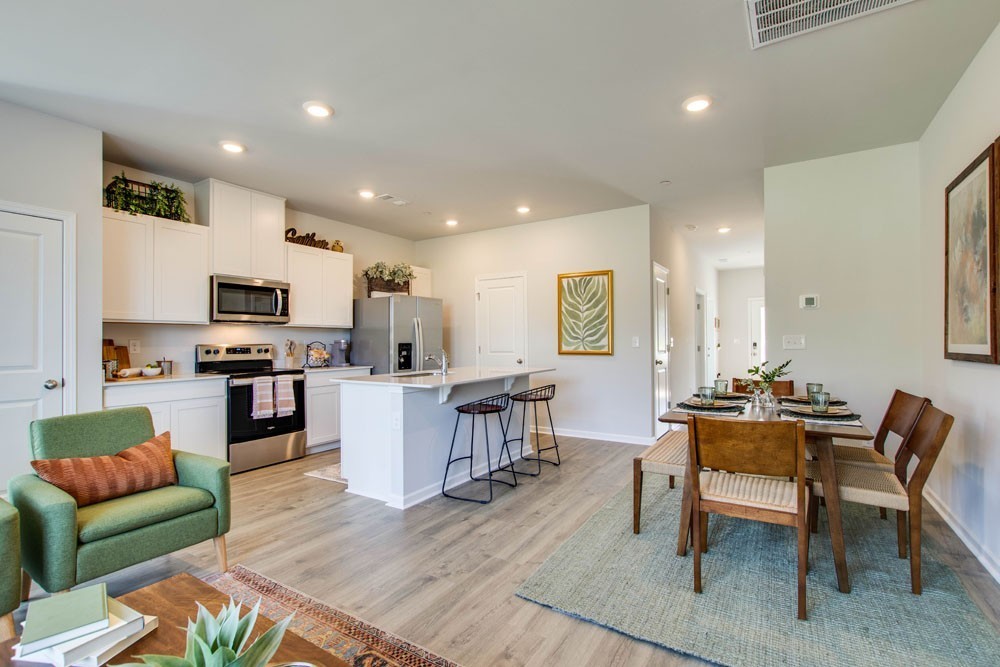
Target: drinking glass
[[707, 395], [813, 387], [820, 401], [722, 386]]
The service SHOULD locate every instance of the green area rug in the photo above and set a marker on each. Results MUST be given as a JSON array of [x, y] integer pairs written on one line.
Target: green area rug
[[637, 585]]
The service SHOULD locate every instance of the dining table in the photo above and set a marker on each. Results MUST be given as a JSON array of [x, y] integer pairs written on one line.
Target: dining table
[[819, 440]]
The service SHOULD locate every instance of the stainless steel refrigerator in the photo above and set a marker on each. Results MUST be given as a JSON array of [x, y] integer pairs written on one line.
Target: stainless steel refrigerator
[[395, 333]]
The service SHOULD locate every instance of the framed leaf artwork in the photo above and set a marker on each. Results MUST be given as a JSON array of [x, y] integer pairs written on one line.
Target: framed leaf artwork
[[970, 280], [586, 313]]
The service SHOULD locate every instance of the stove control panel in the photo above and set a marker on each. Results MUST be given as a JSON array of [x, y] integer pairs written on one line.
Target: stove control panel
[[258, 351]]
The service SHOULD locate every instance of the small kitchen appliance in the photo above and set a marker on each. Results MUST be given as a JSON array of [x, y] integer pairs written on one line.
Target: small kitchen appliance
[[236, 299], [340, 353]]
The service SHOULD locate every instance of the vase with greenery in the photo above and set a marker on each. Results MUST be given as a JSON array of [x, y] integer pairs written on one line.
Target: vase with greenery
[[760, 378], [219, 641], [382, 275]]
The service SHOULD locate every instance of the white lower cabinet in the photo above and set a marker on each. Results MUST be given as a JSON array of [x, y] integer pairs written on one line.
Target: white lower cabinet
[[323, 403], [193, 411]]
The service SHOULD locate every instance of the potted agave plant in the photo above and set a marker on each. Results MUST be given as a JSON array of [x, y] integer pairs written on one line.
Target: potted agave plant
[[219, 641], [760, 378]]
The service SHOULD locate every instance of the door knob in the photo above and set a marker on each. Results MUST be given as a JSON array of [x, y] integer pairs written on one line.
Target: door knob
[[520, 361], [659, 362], [51, 384]]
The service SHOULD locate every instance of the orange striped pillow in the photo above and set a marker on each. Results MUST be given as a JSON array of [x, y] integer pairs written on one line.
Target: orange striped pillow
[[99, 478]]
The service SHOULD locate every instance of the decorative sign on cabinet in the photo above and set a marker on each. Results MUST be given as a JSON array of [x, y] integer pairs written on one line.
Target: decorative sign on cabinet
[[248, 229], [322, 287], [155, 270]]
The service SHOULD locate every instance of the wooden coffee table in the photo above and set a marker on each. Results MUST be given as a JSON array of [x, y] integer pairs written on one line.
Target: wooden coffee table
[[173, 601]]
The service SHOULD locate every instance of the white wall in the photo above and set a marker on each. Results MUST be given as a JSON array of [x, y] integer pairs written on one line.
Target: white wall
[[847, 228], [689, 272], [735, 288], [964, 486], [606, 397], [52, 163]]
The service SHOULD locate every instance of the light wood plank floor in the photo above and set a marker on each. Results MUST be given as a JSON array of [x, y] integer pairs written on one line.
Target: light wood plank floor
[[443, 574]]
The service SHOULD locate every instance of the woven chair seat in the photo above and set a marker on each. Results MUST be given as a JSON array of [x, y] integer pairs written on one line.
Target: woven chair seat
[[862, 456], [865, 485], [669, 456], [769, 493]]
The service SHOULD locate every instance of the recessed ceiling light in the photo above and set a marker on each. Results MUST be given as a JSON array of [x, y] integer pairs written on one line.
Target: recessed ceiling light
[[366, 194], [232, 146], [697, 103], [523, 209], [725, 230], [318, 109], [451, 223]]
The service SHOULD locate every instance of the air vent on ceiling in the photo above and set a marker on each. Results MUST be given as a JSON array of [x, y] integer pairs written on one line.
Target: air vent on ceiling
[[385, 196], [774, 20]]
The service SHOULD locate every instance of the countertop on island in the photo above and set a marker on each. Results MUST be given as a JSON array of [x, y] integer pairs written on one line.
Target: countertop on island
[[455, 376]]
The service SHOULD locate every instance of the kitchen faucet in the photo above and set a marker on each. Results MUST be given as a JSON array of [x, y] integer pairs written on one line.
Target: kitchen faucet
[[442, 362]]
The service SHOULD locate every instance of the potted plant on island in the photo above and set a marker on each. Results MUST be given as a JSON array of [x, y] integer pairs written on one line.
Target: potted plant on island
[[760, 378], [384, 278]]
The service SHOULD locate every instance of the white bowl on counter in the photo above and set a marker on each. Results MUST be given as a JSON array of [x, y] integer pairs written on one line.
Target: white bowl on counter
[[152, 372]]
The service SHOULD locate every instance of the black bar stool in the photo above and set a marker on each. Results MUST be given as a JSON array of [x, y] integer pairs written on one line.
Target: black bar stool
[[492, 405], [534, 396]]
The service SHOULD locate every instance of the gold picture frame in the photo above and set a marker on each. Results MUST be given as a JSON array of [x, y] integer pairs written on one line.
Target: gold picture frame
[[586, 313]]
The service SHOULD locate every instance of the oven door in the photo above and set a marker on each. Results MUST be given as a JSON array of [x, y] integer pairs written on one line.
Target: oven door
[[244, 428], [236, 299]]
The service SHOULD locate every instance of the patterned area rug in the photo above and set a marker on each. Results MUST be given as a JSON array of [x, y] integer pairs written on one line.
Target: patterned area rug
[[348, 638], [329, 473], [637, 585]]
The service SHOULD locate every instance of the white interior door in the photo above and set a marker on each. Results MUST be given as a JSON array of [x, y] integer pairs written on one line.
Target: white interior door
[[501, 322], [699, 340], [661, 346], [756, 347], [31, 338]]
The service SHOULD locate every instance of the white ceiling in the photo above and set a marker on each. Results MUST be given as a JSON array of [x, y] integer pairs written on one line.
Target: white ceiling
[[469, 109]]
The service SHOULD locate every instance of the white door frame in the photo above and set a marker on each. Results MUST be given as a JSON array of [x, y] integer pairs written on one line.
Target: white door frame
[[68, 220], [523, 275], [701, 358], [752, 303], [659, 428]]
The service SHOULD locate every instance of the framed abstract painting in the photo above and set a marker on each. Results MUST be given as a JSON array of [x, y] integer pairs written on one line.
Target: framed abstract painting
[[970, 280], [586, 313]]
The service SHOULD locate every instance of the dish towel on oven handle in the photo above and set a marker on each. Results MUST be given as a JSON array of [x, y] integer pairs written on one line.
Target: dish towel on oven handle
[[284, 395], [262, 401]]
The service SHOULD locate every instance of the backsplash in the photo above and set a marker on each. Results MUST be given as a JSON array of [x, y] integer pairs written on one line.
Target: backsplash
[[176, 341]]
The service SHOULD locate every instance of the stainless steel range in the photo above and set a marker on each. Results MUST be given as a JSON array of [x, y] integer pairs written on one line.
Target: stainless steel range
[[254, 443]]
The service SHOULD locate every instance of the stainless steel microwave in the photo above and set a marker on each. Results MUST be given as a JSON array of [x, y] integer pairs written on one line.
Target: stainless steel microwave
[[236, 299]]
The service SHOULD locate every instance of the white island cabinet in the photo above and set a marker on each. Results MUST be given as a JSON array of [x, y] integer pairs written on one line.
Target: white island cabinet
[[192, 408], [396, 430]]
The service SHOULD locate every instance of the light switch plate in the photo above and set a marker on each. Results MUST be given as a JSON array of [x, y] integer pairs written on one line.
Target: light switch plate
[[133, 346], [635, 341], [793, 342]]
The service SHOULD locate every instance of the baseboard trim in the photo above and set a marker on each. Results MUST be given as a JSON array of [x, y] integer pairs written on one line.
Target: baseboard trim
[[325, 447], [977, 549], [594, 435]]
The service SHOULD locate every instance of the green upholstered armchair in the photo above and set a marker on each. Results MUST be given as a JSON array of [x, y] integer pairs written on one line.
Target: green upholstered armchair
[[10, 569], [63, 545]]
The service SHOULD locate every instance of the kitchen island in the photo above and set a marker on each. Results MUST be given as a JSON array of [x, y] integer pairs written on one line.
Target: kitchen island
[[396, 430]]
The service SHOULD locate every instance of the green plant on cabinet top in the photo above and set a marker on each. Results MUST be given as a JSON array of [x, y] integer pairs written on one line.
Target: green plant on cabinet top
[[156, 199]]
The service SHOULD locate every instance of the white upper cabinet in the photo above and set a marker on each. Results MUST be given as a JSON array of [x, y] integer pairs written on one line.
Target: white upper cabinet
[[322, 287], [128, 260], [422, 285], [180, 272], [248, 229], [155, 270]]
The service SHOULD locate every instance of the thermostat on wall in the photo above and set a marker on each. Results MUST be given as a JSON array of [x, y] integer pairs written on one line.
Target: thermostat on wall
[[808, 301]]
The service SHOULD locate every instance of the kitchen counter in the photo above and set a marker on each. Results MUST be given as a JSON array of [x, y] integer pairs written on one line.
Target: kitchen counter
[[162, 379], [326, 369], [395, 434]]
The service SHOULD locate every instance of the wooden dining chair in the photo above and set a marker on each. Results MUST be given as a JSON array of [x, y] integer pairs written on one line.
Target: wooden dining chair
[[779, 388], [879, 487], [740, 469], [669, 456], [900, 418]]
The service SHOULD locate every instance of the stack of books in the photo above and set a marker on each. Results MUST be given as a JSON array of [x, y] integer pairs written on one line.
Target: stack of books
[[83, 627]]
